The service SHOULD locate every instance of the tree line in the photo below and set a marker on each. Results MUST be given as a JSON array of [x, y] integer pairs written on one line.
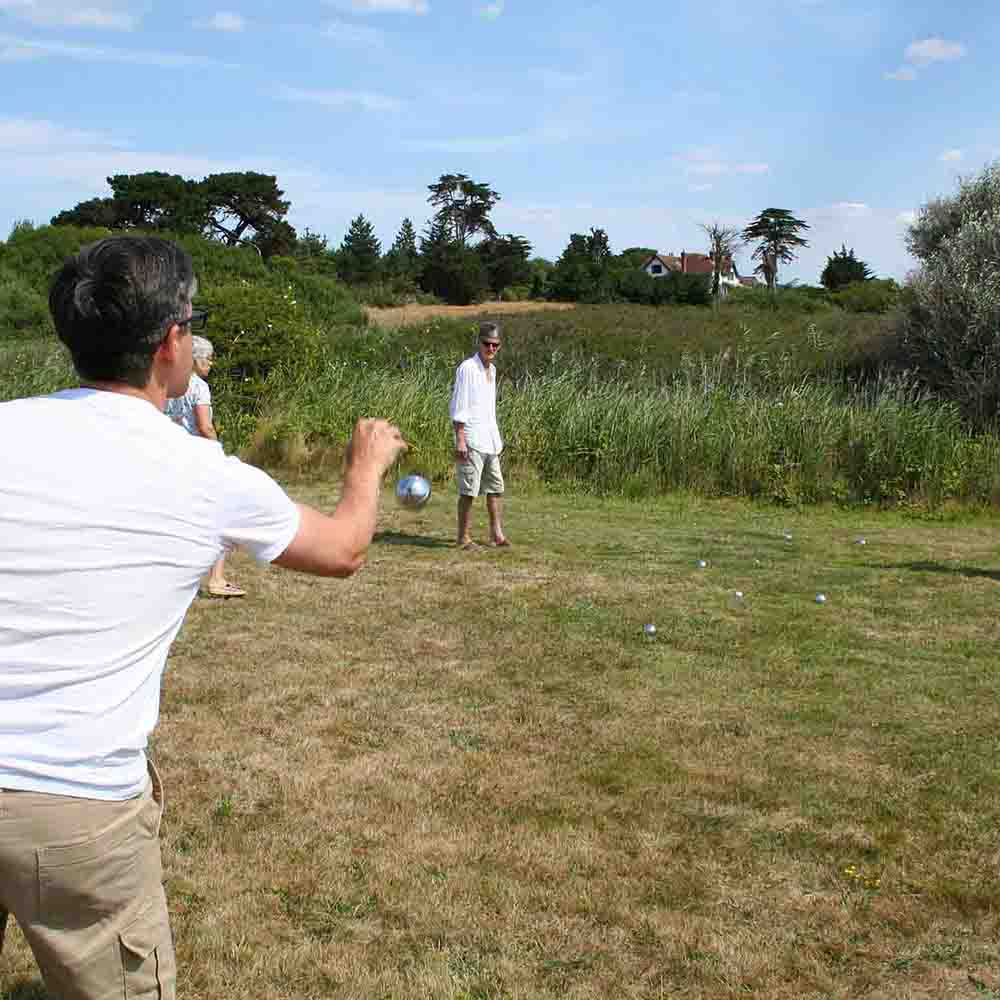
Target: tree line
[[460, 257]]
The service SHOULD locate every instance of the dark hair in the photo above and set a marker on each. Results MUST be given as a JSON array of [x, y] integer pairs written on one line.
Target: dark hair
[[489, 330], [114, 301]]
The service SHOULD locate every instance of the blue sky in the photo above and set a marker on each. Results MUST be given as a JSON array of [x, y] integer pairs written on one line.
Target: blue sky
[[643, 119]]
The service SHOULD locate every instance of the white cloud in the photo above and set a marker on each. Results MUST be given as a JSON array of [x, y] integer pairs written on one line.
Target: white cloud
[[223, 20], [849, 209], [382, 6], [340, 99], [923, 53], [485, 144], [35, 135], [695, 188], [951, 156], [493, 10], [361, 35], [29, 48], [705, 161], [66, 14], [930, 50]]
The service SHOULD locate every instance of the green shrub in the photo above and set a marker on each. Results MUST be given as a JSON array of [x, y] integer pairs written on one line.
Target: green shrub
[[254, 327], [516, 293], [873, 296], [24, 311], [950, 321], [36, 255]]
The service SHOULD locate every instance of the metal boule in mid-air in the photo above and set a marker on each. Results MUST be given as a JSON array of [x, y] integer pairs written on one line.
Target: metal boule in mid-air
[[413, 491]]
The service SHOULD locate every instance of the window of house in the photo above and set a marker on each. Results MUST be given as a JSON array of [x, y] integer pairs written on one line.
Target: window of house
[[656, 269]]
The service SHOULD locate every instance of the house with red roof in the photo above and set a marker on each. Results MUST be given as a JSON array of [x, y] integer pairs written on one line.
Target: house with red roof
[[658, 265]]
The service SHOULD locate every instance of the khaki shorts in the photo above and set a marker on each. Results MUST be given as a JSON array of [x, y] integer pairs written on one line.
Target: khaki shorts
[[480, 474], [84, 881]]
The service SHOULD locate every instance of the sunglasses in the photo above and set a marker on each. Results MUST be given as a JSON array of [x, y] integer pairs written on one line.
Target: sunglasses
[[198, 320], [495, 344]]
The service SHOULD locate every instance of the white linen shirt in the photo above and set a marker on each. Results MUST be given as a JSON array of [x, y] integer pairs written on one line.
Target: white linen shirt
[[109, 516], [474, 403]]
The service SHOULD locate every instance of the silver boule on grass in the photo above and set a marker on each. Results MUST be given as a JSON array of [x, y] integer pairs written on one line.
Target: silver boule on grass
[[413, 491]]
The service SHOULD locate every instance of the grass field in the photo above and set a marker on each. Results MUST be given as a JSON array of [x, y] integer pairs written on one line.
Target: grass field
[[474, 777], [394, 316]]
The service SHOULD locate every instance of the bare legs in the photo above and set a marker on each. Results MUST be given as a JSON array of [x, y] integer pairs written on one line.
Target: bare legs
[[216, 583], [494, 508], [217, 575], [464, 517]]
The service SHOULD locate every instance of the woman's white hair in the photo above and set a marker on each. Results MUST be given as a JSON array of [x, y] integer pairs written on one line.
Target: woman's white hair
[[201, 349]]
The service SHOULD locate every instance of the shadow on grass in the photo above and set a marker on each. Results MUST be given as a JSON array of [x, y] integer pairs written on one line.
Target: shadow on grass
[[25, 989], [933, 567], [402, 538]]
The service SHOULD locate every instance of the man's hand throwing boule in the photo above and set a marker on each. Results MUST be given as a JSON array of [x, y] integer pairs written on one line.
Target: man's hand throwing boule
[[376, 444]]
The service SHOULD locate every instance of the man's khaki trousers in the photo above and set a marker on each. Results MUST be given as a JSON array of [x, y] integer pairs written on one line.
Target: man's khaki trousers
[[83, 879]]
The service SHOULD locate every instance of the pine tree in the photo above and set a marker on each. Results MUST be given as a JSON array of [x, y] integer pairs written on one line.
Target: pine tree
[[403, 259], [449, 270], [778, 232], [360, 255], [843, 268]]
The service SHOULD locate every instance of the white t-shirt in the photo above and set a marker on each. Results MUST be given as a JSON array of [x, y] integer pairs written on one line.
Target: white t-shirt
[[109, 517], [474, 403], [181, 408]]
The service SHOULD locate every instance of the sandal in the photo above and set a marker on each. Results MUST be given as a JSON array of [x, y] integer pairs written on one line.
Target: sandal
[[226, 590]]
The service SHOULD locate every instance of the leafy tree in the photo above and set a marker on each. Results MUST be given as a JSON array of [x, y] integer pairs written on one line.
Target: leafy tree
[[276, 239], [234, 208], [778, 233], [583, 271], [449, 270], [238, 205], [403, 258], [635, 256], [313, 254], [157, 200], [843, 268], [107, 213], [152, 200], [951, 323], [541, 272], [360, 254], [505, 260], [722, 242], [463, 207]]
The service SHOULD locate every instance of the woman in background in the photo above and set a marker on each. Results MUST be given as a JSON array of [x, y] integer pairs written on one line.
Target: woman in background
[[193, 411]]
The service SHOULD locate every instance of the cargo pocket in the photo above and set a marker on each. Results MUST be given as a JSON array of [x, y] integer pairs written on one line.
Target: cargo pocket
[[82, 884], [147, 949]]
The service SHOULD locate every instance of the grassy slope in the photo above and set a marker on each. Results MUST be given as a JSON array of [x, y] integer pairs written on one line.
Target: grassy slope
[[458, 777]]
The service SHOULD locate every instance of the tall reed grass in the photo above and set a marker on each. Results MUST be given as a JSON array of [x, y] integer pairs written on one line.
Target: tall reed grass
[[747, 424], [720, 426]]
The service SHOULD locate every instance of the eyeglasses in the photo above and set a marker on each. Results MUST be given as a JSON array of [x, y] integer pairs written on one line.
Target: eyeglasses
[[198, 319], [493, 344]]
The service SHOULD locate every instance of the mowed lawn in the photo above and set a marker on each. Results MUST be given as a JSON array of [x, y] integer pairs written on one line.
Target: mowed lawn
[[474, 776]]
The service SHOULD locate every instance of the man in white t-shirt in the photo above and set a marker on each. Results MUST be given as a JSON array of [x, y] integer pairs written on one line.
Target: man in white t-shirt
[[109, 516], [477, 438]]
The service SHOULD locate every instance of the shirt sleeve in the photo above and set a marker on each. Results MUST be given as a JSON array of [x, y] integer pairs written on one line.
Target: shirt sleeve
[[461, 396], [200, 393], [256, 513]]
